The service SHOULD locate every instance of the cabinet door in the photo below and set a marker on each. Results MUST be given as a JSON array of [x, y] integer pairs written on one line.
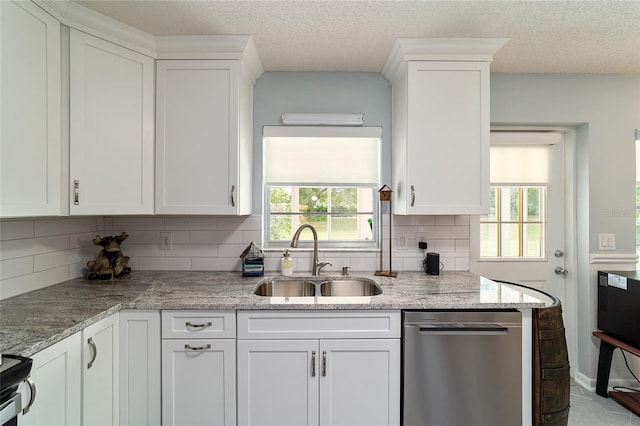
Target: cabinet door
[[56, 372], [111, 128], [30, 143], [140, 368], [197, 122], [447, 152], [360, 382], [278, 382], [100, 375], [198, 382]]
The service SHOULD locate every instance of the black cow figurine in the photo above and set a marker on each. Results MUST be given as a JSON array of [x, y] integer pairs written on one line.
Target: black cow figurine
[[110, 261]]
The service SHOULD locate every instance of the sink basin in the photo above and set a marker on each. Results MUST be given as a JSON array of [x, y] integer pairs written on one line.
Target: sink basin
[[317, 286], [278, 287], [350, 287]]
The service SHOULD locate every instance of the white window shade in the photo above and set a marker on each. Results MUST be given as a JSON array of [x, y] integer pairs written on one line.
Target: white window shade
[[326, 155], [521, 157]]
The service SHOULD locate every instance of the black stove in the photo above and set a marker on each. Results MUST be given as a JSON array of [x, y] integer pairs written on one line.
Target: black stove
[[13, 371]]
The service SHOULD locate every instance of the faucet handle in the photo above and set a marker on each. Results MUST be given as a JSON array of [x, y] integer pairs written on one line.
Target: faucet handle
[[345, 270], [321, 265]]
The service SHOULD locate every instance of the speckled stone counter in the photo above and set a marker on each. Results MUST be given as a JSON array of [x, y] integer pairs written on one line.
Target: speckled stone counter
[[36, 320]]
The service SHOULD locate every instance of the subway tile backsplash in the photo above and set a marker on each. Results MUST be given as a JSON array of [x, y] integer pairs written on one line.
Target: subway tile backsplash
[[35, 253]]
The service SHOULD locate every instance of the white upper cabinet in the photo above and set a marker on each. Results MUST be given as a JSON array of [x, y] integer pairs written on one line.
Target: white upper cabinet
[[111, 128], [204, 143], [440, 147], [30, 145]]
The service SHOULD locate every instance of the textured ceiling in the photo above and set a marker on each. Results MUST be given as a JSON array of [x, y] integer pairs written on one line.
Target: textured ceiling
[[576, 36]]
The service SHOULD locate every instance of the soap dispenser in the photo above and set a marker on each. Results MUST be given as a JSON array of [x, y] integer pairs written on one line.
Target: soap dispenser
[[286, 264]]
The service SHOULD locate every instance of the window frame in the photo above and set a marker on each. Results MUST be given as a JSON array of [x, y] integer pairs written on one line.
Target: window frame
[[306, 241], [520, 222]]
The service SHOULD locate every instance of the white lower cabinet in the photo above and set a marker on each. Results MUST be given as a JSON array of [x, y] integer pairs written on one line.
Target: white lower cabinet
[[198, 370], [57, 374], [140, 368], [100, 372], [329, 374]]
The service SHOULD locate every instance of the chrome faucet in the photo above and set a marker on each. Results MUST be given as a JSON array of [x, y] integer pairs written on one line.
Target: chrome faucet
[[317, 266]]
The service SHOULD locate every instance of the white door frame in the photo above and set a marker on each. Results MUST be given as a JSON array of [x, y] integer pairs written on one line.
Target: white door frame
[[569, 308]]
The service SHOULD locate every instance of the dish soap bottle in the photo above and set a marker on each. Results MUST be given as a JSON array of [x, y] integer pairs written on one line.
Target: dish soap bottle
[[286, 264]]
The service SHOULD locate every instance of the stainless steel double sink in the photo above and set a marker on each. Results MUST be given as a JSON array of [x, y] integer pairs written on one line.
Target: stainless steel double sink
[[317, 286]]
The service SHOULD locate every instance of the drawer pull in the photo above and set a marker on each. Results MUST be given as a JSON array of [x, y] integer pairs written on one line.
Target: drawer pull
[[204, 325], [94, 351], [197, 348], [233, 195], [76, 192], [324, 363], [313, 363], [32, 397]]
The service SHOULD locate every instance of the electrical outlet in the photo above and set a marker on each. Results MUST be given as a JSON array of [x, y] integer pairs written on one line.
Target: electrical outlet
[[402, 242], [165, 241]]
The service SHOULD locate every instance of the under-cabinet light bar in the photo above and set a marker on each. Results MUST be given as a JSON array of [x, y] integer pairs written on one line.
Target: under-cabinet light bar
[[323, 119]]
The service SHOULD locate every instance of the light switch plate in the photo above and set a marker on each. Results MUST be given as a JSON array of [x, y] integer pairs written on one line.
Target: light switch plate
[[606, 241]]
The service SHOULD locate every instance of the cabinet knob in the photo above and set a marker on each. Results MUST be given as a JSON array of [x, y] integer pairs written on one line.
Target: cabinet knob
[[233, 195], [413, 196]]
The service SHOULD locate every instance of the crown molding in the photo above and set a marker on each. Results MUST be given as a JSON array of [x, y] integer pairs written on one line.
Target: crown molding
[[439, 49], [239, 48], [81, 18]]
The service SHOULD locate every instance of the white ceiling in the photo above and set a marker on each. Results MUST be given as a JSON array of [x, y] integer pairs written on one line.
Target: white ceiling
[[575, 36]]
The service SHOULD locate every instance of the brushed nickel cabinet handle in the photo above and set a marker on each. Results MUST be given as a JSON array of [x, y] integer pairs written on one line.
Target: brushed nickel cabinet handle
[[32, 396], [233, 195], [413, 196], [313, 363], [324, 363], [94, 349], [203, 325], [76, 192], [197, 348]]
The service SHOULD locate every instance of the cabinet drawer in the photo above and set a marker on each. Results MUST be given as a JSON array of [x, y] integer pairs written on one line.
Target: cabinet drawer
[[318, 325], [198, 324]]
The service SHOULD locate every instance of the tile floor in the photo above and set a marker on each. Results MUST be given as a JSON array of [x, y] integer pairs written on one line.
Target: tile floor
[[590, 409]]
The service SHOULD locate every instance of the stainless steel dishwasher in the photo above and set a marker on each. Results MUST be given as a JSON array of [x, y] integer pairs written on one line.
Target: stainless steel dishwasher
[[462, 368]]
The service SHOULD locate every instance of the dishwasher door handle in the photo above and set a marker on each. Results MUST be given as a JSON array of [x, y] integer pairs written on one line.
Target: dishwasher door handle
[[467, 330]]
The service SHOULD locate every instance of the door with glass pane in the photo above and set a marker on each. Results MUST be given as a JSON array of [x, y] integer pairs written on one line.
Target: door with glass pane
[[521, 240]]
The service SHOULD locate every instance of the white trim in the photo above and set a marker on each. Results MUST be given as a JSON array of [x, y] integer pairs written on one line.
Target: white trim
[[629, 258], [526, 138], [91, 22], [439, 49], [527, 366], [321, 131], [240, 48]]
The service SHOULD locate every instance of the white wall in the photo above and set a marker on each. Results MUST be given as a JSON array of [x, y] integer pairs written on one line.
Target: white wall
[[605, 109]]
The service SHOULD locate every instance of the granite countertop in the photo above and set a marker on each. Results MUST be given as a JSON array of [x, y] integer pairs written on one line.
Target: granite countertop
[[36, 320]]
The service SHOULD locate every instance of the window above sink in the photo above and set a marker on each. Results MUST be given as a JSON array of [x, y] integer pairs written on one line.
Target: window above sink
[[325, 177]]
